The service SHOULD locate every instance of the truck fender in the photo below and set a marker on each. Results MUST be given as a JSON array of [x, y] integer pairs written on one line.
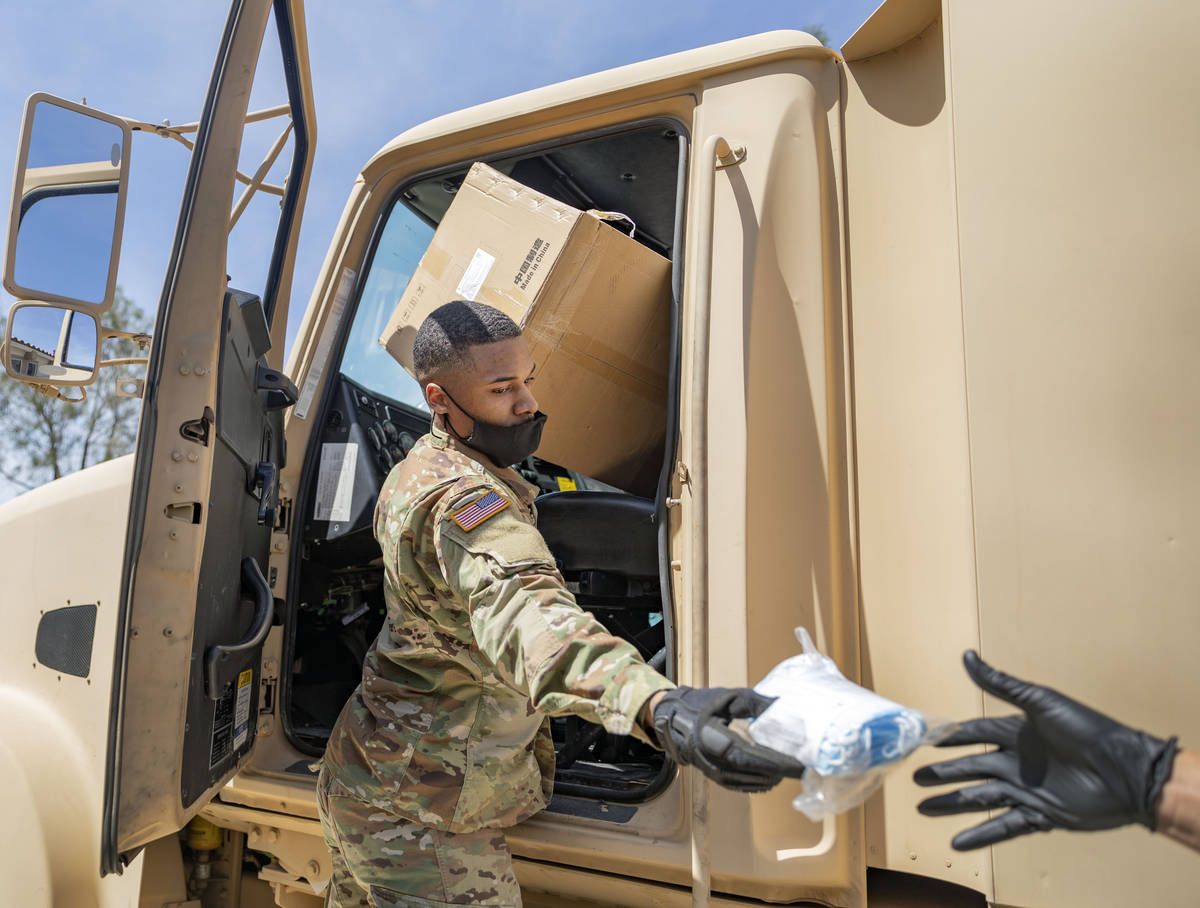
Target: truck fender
[[50, 801]]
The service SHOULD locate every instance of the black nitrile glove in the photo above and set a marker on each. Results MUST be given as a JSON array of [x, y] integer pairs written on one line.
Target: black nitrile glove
[[692, 725], [1060, 766]]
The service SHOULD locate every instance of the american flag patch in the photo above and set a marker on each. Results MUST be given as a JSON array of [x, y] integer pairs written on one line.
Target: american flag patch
[[480, 510]]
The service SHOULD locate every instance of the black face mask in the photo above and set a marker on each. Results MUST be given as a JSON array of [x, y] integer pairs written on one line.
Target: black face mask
[[505, 445]]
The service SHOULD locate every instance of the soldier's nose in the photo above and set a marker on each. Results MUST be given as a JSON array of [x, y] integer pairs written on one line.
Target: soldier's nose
[[526, 404]]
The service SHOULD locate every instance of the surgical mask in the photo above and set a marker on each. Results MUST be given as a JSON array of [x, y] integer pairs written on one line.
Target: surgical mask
[[505, 445]]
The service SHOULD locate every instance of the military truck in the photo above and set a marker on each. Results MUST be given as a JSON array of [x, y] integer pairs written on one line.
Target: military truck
[[933, 383]]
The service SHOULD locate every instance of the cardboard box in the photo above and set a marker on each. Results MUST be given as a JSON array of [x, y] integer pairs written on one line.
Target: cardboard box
[[595, 309]]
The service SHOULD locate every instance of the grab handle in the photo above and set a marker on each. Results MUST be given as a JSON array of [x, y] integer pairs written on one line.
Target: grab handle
[[220, 664]]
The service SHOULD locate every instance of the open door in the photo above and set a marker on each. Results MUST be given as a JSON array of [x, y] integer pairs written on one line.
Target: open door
[[196, 601]]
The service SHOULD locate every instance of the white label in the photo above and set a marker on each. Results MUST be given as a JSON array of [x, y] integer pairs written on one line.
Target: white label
[[241, 710], [475, 275], [317, 366], [335, 481]]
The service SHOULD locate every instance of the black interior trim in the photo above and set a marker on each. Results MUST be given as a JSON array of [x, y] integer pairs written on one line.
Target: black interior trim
[[674, 393], [303, 498], [287, 46]]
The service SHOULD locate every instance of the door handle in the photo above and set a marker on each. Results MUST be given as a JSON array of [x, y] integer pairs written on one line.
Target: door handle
[[266, 480], [220, 663]]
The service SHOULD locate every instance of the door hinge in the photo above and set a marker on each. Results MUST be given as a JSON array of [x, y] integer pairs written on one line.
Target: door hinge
[[267, 685], [283, 515]]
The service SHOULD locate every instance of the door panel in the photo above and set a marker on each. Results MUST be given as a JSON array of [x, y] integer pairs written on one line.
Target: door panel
[[194, 603], [222, 697]]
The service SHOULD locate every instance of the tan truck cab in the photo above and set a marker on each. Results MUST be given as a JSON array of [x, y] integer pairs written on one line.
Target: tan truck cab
[[932, 387]]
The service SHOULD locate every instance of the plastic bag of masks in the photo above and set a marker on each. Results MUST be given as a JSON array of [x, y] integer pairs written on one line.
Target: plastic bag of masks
[[847, 736]]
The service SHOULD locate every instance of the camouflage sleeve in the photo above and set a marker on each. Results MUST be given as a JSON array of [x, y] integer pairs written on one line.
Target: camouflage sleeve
[[529, 626]]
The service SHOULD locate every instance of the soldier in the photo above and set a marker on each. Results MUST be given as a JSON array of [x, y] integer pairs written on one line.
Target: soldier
[[446, 741]]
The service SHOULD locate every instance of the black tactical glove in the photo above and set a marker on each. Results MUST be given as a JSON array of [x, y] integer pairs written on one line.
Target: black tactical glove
[[1060, 766], [692, 725]]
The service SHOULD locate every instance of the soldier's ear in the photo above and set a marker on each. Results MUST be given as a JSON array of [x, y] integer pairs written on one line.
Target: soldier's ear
[[436, 398]]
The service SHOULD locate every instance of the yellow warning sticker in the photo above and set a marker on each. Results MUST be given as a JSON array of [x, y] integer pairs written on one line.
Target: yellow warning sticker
[[241, 709], [565, 483]]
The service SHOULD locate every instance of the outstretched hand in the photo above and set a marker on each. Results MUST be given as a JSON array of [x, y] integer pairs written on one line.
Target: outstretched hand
[[1061, 765], [692, 725]]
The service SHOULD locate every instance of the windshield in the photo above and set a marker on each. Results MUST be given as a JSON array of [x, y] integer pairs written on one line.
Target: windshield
[[401, 245], [633, 171]]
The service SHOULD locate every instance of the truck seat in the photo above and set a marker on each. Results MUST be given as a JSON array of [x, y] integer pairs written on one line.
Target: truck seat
[[600, 531]]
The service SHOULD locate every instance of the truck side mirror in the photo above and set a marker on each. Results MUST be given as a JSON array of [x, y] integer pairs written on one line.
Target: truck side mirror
[[68, 204], [50, 345]]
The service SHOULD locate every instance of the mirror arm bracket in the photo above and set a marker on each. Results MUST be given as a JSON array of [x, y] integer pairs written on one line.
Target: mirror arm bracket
[[124, 361], [56, 393], [259, 175], [138, 337], [167, 131]]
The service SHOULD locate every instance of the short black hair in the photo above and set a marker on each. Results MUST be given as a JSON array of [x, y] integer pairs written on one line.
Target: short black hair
[[451, 329]]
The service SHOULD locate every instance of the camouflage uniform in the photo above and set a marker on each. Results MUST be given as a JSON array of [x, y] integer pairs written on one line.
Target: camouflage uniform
[[447, 738]]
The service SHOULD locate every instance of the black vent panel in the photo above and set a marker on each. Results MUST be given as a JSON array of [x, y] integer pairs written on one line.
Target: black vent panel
[[64, 639]]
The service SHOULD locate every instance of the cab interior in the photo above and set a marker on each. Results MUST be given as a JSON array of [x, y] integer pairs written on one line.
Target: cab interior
[[609, 543]]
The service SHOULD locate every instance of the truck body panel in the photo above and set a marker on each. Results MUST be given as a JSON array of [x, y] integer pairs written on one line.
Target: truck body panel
[[947, 404], [57, 563], [1025, 381]]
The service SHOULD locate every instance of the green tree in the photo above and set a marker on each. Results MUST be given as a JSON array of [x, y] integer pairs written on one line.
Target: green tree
[[45, 438], [817, 31]]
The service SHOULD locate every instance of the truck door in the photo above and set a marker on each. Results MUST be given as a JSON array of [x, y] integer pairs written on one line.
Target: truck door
[[196, 595]]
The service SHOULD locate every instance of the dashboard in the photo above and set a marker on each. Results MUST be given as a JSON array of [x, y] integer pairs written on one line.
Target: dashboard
[[362, 436], [382, 422]]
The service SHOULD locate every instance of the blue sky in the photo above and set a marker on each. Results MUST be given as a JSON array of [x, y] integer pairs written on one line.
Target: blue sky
[[378, 68]]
